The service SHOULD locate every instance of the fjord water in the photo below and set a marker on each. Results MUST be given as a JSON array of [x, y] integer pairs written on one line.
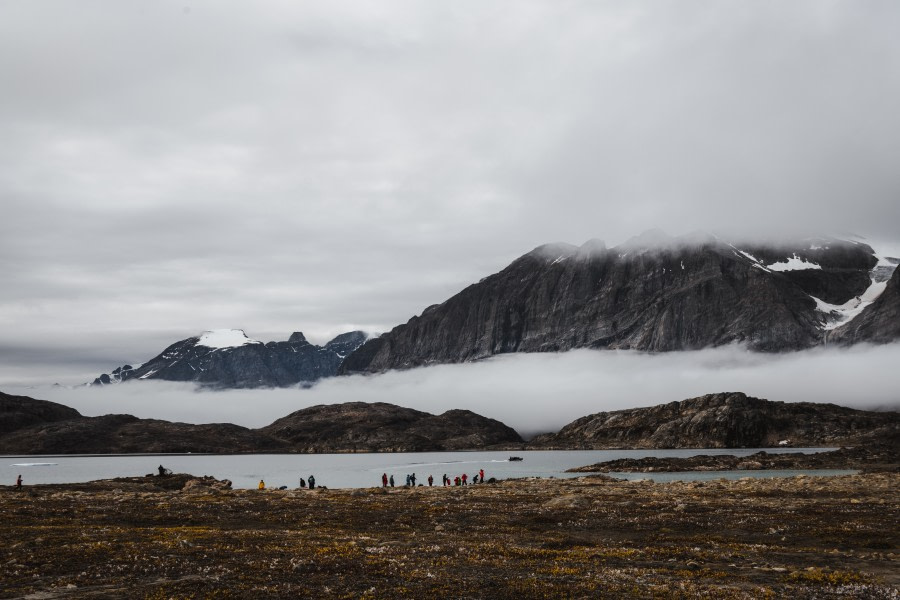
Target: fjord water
[[358, 470]]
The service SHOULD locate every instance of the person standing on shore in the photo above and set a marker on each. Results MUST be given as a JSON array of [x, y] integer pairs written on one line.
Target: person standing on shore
[[465, 479], [392, 481], [412, 479], [312, 482], [384, 480], [481, 475], [430, 481], [19, 482], [262, 485]]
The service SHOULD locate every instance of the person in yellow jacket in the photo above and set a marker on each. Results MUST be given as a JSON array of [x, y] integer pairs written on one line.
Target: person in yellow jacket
[[262, 485]]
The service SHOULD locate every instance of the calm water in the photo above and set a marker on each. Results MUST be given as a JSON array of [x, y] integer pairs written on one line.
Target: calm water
[[357, 470]]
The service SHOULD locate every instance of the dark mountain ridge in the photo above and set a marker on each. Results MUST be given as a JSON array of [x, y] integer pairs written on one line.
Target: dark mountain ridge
[[229, 359], [727, 420], [652, 293], [29, 426]]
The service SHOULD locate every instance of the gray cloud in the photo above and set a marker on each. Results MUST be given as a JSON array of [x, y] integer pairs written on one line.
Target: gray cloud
[[326, 166], [533, 392]]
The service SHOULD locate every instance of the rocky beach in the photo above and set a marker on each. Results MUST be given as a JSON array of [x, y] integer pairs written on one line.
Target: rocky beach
[[186, 537]]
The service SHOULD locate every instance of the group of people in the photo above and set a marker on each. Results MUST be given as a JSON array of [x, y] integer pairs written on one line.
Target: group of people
[[311, 482], [445, 481]]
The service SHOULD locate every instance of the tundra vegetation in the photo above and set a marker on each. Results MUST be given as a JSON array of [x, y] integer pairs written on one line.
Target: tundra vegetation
[[186, 537]]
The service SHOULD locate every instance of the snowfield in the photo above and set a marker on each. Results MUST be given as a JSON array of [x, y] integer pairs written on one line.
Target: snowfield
[[225, 338]]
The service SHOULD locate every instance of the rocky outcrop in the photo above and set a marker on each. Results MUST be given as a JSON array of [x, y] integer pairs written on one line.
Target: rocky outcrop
[[229, 359], [878, 323], [883, 456], [381, 427], [652, 293], [726, 420], [39, 427]]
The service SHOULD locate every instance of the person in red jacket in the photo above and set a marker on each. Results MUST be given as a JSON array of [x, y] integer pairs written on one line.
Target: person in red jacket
[[481, 475], [384, 480], [464, 479]]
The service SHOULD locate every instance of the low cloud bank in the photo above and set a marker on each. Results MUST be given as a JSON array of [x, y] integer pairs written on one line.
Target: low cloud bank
[[532, 393]]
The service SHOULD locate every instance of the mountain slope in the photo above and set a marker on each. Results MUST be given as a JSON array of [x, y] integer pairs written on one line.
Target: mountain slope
[[229, 359], [726, 420], [651, 293]]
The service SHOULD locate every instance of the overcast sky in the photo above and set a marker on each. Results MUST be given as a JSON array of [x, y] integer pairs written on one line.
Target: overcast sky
[[171, 167]]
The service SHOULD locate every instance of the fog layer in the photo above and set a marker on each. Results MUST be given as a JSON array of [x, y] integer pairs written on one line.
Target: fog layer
[[531, 392]]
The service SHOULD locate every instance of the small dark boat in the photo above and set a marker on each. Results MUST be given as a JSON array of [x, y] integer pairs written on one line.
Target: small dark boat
[[514, 458]]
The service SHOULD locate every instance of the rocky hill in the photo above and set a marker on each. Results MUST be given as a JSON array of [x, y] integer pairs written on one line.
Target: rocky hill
[[652, 293], [29, 426], [19, 412], [381, 427], [726, 420], [229, 359]]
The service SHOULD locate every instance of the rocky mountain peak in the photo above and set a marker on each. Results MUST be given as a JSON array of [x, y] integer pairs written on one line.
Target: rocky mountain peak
[[227, 358], [652, 293]]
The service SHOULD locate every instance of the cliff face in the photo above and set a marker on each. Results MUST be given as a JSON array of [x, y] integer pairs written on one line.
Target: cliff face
[[726, 420], [381, 427], [644, 295]]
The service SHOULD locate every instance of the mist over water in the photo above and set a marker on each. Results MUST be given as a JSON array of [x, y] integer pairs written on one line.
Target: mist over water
[[532, 393]]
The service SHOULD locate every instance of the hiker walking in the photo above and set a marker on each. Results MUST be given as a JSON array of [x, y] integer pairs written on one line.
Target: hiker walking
[[481, 475], [446, 480], [384, 480], [19, 482], [430, 480], [412, 479], [392, 481], [465, 478], [312, 482]]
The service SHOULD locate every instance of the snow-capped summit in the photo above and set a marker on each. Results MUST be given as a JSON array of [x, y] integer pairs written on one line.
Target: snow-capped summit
[[227, 358], [225, 338]]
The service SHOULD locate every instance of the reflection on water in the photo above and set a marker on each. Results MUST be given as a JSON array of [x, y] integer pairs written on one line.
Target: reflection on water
[[361, 470]]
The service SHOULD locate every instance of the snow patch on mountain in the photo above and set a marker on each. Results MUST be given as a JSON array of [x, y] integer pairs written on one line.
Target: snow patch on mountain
[[794, 263], [225, 338], [837, 315]]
